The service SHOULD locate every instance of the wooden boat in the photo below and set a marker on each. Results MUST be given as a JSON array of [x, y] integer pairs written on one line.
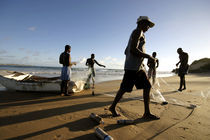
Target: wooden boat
[[26, 82]]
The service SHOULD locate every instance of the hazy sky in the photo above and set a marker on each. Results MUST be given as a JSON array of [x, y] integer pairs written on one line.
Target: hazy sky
[[35, 32]]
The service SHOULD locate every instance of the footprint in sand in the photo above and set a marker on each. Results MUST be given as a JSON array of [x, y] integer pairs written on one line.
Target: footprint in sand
[[184, 128], [182, 137], [176, 119], [58, 137], [64, 118]]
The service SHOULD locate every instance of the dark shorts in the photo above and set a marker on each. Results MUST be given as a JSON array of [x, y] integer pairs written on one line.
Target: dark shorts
[[183, 70], [137, 78]]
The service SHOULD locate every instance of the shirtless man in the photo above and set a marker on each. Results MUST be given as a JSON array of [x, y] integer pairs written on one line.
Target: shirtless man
[[183, 68], [152, 67], [65, 60], [90, 63]]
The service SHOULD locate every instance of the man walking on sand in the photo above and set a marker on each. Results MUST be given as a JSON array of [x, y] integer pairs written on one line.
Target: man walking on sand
[[134, 73], [183, 68], [65, 60], [90, 63], [152, 67]]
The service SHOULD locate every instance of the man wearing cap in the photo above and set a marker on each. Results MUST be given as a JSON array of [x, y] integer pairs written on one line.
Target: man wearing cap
[[65, 60], [134, 73], [183, 68]]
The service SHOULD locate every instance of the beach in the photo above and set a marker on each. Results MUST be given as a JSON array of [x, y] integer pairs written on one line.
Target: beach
[[49, 116]]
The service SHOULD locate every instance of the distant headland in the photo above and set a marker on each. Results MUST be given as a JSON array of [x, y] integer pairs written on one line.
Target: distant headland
[[199, 66]]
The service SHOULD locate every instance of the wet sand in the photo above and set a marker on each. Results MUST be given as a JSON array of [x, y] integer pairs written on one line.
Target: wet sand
[[48, 116]]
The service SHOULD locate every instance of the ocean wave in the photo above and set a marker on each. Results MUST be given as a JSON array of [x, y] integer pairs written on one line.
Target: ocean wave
[[77, 73]]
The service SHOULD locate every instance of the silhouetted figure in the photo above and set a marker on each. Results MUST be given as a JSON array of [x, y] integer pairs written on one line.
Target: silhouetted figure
[[65, 60], [90, 63], [183, 67], [134, 73], [152, 67]]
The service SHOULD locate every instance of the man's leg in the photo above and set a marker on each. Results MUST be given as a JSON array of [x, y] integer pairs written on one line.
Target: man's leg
[[181, 82], [154, 76], [146, 100], [62, 88], [88, 79], [87, 83], [93, 80], [184, 83], [149, 73], [93, 76], [66, 85], [119, 95], [147, 114]]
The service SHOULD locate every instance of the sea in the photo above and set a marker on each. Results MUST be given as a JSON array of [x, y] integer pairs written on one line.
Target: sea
[[102, 74]]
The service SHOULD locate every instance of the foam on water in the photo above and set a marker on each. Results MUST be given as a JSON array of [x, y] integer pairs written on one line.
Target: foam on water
[[77, 73]]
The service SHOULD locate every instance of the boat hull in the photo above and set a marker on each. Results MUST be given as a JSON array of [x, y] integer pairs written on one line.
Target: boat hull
[[11, 83]]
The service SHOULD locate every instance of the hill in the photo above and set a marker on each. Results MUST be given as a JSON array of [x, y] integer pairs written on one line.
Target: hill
[[198, 66], [202, 65]]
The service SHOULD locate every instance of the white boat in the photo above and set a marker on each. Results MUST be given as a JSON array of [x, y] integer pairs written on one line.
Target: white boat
[[26, 82]]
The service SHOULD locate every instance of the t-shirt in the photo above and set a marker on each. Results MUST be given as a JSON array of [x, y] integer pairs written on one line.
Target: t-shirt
[[134, 61]]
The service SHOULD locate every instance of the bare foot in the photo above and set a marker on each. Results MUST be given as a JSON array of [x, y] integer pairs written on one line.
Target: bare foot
[[150, 117], [114, 113]]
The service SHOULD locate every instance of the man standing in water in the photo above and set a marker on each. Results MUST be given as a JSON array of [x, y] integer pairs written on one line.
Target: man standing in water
[[152, 67], [183, 67], [134, 73], [65, 60], [90, 63]]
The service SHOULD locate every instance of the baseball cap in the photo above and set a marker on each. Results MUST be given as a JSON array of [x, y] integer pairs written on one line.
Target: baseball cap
[[145, 18]]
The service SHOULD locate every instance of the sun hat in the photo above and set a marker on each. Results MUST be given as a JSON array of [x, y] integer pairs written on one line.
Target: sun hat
[[145, 18]]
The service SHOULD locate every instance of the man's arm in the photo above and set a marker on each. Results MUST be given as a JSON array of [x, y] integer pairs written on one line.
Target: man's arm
[[148, 64], [71, 63], [157, 63], [187, 57], [125, 50], [134, 48], [99, 64], [86, 62], [178, 63]]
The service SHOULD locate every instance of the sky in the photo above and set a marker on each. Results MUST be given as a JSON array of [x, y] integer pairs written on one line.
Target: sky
[[34, 32]]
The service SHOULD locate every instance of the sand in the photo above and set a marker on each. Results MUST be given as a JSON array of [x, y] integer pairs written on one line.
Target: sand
[[48, 116]]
